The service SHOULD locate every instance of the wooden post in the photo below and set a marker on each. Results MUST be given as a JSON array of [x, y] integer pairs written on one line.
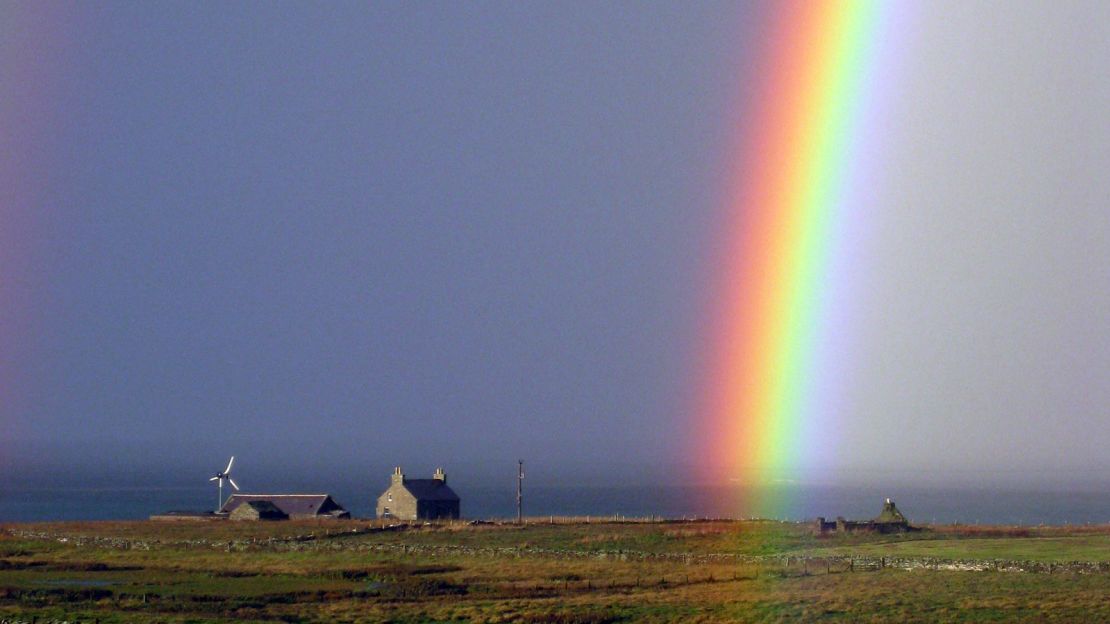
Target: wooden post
[[519, 491]]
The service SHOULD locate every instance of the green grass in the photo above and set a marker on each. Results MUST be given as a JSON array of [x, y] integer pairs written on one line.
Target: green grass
[[597, 572]]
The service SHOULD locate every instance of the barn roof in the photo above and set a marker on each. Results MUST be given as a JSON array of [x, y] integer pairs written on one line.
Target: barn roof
[[430, 489], [290, 504]]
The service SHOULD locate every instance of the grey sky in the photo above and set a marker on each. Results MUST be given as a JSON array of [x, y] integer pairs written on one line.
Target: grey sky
[[986, 346], [348, 238]]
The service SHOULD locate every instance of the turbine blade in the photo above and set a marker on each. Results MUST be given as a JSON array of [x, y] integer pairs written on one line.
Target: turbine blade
[[214, 479], [232, 481], [229, 464]]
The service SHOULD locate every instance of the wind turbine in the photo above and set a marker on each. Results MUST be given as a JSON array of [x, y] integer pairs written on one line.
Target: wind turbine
[[220, 477]]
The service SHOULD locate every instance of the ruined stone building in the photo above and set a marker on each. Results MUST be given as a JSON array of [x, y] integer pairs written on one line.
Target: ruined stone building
[[890, 520], [418, 499]]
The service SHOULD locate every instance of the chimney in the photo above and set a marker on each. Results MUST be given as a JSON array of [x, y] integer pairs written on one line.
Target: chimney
[[440, 475], [398, 476]]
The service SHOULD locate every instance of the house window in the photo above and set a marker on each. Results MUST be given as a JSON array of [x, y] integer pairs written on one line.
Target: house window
[[389, 497]]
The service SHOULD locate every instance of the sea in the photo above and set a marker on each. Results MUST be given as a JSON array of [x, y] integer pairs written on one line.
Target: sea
[[799, 502]]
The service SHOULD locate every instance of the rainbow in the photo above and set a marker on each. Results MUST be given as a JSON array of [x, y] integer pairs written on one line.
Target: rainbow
[[796, 169]]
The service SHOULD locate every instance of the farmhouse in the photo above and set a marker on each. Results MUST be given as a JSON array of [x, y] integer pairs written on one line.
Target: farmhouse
[[294, 506], [418, 499], [890, 520]]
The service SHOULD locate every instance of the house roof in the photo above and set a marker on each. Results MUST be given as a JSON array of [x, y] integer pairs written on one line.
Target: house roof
[[430, 489], [290, 504]]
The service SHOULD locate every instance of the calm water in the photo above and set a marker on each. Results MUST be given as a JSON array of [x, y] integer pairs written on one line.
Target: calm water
[[920, 504]]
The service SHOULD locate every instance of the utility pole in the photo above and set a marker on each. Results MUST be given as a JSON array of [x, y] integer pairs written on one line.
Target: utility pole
[[519, 488]]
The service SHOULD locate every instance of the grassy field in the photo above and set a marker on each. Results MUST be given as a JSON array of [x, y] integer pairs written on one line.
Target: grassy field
[[359, 571]]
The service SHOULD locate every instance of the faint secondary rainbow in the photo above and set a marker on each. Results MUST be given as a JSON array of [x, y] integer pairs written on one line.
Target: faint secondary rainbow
[[34, 46], [795, 171]]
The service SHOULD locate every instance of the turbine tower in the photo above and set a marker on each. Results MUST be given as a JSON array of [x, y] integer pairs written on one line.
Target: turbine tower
[[219, 478]]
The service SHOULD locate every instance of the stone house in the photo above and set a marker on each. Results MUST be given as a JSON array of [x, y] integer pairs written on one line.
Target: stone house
[[295, 506], [418, 499]]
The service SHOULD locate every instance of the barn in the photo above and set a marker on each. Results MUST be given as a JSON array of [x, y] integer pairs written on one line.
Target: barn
[[295, 506], [258, 510]]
